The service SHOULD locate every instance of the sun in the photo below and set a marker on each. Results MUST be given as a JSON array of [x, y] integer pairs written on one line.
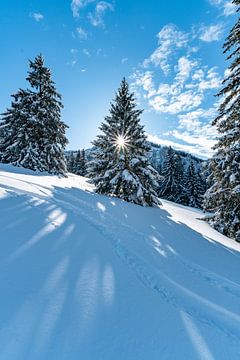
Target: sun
[[121, 142]]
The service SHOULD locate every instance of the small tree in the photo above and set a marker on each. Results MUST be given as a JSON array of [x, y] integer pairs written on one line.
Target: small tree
[[120, 166], [223, 197]]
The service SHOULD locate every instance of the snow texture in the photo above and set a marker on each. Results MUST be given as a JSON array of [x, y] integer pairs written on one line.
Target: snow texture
[[86, 276]]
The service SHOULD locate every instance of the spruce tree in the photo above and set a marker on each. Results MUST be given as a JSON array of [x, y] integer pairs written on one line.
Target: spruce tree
[[47, 107], [120, 166], [77, 163], [70, 162], [171, 186], [18, 146], [83, 163], [35, 133], [223, 197], [194, 186]]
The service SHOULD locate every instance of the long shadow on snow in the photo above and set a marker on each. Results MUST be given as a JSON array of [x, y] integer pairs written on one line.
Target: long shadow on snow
[[52, 261]]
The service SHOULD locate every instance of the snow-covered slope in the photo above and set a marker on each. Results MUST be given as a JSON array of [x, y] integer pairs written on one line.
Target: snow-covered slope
[[84, 276]]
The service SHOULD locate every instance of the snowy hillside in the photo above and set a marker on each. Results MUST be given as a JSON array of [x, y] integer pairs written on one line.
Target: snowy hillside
[[84, 276]]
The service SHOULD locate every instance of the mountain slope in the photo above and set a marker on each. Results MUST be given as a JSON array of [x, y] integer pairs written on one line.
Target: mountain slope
[[92, 277]]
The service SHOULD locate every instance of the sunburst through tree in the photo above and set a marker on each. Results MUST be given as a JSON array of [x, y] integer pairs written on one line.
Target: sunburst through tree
[[120, 166]]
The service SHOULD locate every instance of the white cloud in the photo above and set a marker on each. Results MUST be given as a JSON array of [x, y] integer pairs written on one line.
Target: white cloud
[[229, 8], [86, 52], [211, 33], [196, 149], [215, 2], [182, 96], [195, 129], [144, 81], [170, 38], [211, 81], [185, 92], [96, 18], [37, 16], [76, 5], [226, 6], [191, 120], [185, 101], [81, 33], [184, 68]]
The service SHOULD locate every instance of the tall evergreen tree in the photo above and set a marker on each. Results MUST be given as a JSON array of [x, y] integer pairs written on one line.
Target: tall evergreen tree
[[80, 163], [223, 197], [18, 146], [194, 186], [70, 162], [83, 163], [77, 163], [171, 186], [35, 133], [120, 166]]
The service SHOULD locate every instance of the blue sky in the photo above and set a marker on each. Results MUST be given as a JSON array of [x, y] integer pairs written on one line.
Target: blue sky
[[170, 52]]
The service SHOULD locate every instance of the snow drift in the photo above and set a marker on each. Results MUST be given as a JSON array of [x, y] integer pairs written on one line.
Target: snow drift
[[85, 276]]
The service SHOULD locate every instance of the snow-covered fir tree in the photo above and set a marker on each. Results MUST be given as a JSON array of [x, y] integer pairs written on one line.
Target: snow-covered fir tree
[[171, 186], [194, 186], [80, 163], [120, 166], [35, 135], [83, 163], [223, 197], [70, 162], [18, 146]]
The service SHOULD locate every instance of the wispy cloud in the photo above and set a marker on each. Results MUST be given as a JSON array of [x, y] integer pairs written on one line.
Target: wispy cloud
[[196, 149], [181, 93], [82, 34], [225, 6], [37, 16], [86, 52], [96, 18], [184, 92], [211, 33], [169, 38], [193, 130], [229, 8], [77, 5]]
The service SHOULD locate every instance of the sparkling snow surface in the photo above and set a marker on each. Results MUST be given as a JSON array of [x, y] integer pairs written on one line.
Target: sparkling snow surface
[[89, 277]]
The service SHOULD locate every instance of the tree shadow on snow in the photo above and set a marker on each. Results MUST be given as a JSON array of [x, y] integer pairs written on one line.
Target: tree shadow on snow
[[62, 283]]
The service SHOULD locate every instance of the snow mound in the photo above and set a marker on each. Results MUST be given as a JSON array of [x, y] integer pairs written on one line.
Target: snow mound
[[85, 276]]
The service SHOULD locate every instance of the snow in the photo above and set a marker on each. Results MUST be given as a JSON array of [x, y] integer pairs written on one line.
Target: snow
[[85, 276]]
